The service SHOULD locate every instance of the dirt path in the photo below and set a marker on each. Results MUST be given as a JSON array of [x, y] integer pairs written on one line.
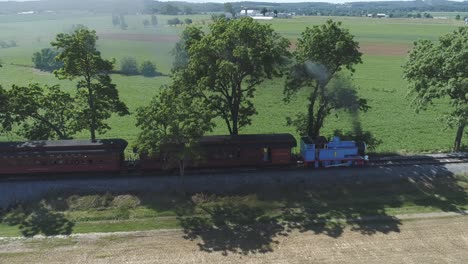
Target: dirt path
[[442, 240]]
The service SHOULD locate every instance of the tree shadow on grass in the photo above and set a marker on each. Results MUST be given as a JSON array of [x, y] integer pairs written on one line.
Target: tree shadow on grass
[[47, 222], [233, 228]]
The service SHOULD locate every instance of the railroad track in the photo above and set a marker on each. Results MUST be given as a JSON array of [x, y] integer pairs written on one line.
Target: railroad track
[[418, 160]]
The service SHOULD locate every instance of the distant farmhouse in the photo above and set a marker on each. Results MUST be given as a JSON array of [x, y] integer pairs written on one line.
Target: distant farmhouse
[[255, 14], [379, 15]]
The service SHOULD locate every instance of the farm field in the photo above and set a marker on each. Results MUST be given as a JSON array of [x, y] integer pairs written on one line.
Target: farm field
[[384, 43], [419, 241]]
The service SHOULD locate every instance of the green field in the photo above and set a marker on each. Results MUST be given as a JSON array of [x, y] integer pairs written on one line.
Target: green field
[[384, 42]]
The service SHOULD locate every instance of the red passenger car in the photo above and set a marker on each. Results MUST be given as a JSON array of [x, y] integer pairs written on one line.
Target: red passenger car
[[62, 156], [258, 150]]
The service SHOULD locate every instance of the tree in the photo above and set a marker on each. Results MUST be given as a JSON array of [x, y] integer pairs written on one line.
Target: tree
[[45, 60], [226, 65], [129, 66], [173, 21], [42, 113], [457, 17], [148, 69], [322, 52], [96, 92], [172, 124], [188, 21], [115, 20], [154, 20], [170, 10], [6, 119], [188, 10], [146, 23], [264, 11], [123, 23], [275, 12], [180, 50], [228, 8], [438, 70]]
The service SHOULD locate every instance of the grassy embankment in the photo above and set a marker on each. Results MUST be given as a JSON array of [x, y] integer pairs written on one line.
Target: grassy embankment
[[295, 206]]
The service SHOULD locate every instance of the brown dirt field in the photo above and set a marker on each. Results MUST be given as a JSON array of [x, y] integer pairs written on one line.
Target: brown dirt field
[[384, 49], [443, 240], [139, 37]]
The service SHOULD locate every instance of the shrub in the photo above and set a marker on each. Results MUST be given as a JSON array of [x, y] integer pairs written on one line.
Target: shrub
[[15, 216], [129, 66], [45, 60], [125, 201], [188, 21], [148, 69], [174, 22]]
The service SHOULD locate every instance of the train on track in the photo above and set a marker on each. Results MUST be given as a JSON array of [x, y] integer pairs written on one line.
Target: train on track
[[108, 155]]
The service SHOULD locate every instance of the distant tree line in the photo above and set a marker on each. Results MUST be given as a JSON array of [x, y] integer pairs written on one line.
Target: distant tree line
[[129, 66], [7, 44]]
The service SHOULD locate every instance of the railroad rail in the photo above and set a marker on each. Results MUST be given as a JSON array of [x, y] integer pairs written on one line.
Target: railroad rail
[[419, 160]]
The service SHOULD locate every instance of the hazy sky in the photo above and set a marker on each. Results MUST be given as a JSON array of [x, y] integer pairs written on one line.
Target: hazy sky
[[277, 1]]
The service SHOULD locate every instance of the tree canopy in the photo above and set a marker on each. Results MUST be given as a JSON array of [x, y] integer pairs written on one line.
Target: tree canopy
[[97, 96], [439, 70], [172, 123], [42, 113], [322, 53], [226, 65]]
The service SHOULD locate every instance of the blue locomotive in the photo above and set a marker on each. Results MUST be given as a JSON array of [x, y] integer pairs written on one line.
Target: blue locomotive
[[334, 153]]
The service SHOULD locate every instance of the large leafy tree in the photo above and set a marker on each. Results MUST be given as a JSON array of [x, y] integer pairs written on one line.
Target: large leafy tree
[[42, 113], [439, 70], [171, 124], [225, 66], [322, 53], [97, 93]]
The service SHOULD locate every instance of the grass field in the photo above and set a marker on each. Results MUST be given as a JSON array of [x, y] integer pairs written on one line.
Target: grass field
[[384, 42]]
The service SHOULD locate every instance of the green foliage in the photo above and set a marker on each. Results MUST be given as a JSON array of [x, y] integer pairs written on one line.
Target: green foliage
[[7, 44], [226, 65], [6, 117], [45, 60], [129, 66], [172, 124], [123, 23], [180, 50], [42, 113], [154, 20], [170, 9], [457, 17], [264, 11], [438, 70], [322, 52], [148, 69], [97, 96], [228, 8], [174, 21], [188, 21], [115, 20]]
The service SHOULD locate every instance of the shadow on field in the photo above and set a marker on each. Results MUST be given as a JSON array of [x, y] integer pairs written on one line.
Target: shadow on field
[[329, 209], [233, 228]]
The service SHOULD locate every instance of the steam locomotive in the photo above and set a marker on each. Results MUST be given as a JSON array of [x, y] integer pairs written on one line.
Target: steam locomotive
[[107, 155]]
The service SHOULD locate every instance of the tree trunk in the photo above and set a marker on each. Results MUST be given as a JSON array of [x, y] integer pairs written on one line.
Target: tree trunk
[[182, 178], [92, 127], [458, 138]]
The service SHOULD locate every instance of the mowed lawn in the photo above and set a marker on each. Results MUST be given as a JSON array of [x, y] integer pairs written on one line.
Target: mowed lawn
[[385, 43]]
